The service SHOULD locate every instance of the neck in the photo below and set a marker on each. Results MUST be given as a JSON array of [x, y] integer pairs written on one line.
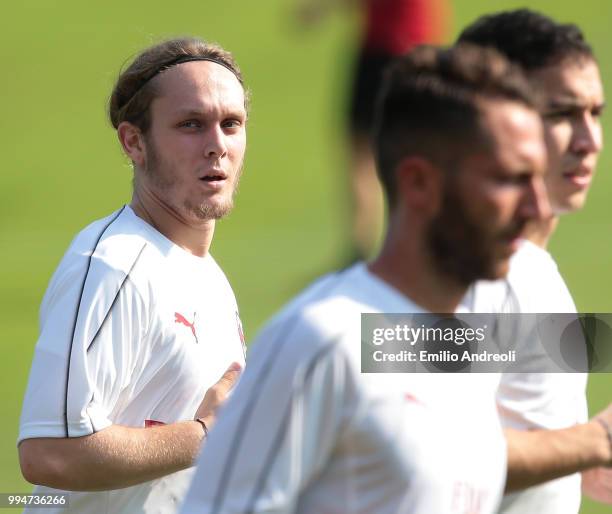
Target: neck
[[539, 232], [195, 238], [407, 267]]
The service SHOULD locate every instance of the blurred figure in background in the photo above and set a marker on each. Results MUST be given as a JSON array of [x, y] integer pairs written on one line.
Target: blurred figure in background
[[388, 28]]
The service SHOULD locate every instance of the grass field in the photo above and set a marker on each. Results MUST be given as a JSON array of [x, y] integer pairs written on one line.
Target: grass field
[[63, 167]]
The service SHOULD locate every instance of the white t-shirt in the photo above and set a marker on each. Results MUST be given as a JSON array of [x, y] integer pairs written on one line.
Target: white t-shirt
[[536, 400], [133, 331], [306, 432]]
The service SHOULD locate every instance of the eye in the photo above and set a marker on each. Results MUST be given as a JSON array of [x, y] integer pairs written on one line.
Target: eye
[[190, 124], [597, 111], [232, 124], [519, 179], [558, 114]]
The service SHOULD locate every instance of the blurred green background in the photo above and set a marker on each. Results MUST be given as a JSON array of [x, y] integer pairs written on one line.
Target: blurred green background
[[63, 167]]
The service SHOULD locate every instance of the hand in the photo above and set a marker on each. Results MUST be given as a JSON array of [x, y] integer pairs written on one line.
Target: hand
[[604, 418], [217, 394], [597, 484]]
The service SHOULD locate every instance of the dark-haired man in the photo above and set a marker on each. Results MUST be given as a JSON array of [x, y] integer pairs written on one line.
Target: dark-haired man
[[138, 320], [306, 431], [560, 64]]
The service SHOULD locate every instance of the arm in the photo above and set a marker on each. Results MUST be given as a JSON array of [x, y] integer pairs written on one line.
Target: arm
[[113, 458], [120, 456], [538, 456]]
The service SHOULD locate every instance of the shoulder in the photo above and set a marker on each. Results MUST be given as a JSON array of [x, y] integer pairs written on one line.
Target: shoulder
[[531, 259], [115, 240], [310, 316], [100, 256], [313, 340], [535, 279], [533, 284], [324, 319]]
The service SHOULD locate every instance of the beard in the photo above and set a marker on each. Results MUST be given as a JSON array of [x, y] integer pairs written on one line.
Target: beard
[[464, 248], [167, 180], [213, 210]]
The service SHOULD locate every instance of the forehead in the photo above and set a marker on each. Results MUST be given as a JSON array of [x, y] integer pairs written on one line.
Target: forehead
[[199, 85], [515, 132], [575, 80]]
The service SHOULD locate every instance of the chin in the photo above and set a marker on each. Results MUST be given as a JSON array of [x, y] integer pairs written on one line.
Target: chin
[[569, 203], [210, 210]]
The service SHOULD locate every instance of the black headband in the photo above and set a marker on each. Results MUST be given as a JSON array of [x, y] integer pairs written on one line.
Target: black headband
[[180, 60]]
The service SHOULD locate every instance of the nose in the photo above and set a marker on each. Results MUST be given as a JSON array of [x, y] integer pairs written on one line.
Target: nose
[[587, 135], [214, 142], [535, 205]]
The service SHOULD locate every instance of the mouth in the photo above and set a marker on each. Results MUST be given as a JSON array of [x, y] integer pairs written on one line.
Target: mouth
[[579, 176], [215, 178]]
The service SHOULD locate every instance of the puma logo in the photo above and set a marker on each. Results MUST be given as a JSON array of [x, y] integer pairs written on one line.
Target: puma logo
[[179, 318], [411, 398]]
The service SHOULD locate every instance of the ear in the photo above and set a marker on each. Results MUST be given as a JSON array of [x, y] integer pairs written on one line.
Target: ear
[[132, 142], [419, 184]]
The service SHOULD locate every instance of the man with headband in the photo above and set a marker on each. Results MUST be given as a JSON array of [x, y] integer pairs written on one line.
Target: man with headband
[[138, 321]]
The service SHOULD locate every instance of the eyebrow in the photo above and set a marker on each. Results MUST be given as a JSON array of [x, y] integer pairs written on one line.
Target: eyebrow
[[198, 112], [571, 103]]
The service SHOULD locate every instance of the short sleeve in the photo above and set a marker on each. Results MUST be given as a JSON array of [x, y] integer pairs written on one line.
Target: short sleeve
[[92, 320], [278, 430]]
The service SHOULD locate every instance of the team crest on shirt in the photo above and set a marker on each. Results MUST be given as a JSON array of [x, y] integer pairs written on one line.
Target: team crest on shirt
[[241, 335], [179, 318]]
